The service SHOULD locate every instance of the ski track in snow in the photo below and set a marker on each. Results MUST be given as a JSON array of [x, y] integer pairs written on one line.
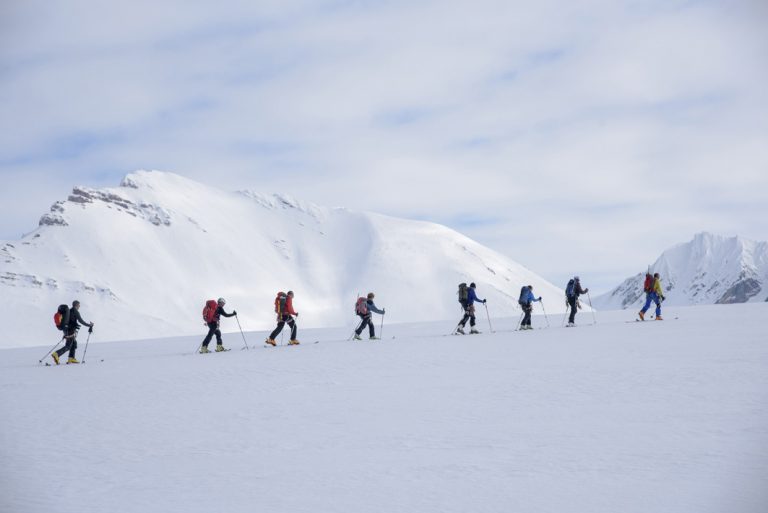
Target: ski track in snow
[[648, 417]]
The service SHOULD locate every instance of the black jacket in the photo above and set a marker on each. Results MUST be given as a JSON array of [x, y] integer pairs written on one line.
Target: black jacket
[[75, 320]]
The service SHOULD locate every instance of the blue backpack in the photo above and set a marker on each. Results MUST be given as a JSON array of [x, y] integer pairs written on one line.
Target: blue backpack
[[569, 288]]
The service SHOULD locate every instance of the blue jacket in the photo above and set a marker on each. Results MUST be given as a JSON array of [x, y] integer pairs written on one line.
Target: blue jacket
[[372, 307], [530, 298], [472, 297]]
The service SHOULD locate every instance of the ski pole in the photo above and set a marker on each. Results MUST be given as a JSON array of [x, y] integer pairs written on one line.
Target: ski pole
[[354, 332], [545, 312], [594, 319], [241, 332], [90, 330], [519, 321], [381, 329], [51, 350], [565, 315], [456, 329], [490, 326]]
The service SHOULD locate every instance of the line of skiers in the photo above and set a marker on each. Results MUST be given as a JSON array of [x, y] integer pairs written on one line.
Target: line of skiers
[[69, 320]]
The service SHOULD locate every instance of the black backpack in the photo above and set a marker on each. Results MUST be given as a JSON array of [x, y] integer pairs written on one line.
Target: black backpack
[[61, 317], [463, 293]]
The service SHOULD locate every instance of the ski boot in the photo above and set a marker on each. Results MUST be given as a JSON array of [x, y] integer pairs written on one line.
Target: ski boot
[[204, 350], [473, 331], [659, 318], [641, 314], [460, 331], [357, 337], [570, 325], [55, 357], [374, 338], [220, 348], [72, 360], [293, 342], [271, 342]]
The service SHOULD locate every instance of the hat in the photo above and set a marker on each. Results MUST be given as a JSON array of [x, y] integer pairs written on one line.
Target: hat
[[290, 293], [371, 295], [75, 303], [576, 278], [222, 301], [472, 285]]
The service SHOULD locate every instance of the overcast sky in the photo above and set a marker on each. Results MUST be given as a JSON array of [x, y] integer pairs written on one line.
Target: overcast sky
[[576, 137]]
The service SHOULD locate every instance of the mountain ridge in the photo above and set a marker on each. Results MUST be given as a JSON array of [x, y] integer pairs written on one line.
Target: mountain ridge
[[143, 258], [709, 269]]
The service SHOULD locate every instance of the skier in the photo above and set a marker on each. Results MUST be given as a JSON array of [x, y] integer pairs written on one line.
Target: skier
[[572, 293], [655, 294], [284, 311], [70, 334], [364, 307], [526, 300], [213, 327], [469, 311]]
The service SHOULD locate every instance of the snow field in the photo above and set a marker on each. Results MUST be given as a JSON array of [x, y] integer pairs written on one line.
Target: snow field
[[633, 417]]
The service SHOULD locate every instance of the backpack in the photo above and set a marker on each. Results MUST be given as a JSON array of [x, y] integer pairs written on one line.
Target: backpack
[[523, 296], [463, 293], [61, 317], [649, 283], [361, 307], [280, 303], [209, 312], [569, 288]]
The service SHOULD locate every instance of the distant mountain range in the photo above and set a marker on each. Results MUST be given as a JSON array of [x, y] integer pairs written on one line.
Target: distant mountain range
[[710, 269], [142, 258]]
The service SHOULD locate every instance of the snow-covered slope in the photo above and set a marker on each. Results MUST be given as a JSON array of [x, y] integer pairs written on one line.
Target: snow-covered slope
[[707, 270], [654, 417], [143, 258]]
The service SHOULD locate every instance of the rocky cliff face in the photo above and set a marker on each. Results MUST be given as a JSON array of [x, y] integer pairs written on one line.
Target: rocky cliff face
[[710, 269]]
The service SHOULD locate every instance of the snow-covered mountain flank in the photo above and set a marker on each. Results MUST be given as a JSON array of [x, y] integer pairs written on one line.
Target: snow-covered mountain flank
[[710, 269], [142, 258]]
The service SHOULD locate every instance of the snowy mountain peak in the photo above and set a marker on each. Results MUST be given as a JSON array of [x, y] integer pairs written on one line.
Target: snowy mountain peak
[[708, 269], [143, 257]]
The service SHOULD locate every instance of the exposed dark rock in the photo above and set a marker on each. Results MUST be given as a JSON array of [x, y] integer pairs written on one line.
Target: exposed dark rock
[[52, 220], [740, 292]]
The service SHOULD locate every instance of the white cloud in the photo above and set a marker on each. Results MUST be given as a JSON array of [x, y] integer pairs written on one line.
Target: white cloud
[[578, 129]]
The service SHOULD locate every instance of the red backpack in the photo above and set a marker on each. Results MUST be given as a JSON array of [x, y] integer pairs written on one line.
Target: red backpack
[[361, 306], [209, 312], [61, 317], [649, 283]]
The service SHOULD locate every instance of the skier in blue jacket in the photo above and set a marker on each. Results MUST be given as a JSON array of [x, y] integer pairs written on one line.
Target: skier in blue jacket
[[365, 316], [526, 300], [469, 310]]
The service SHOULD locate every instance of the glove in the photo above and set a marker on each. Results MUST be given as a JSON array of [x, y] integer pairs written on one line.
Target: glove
[[234, 312], [297, 314], [538, 299], [663, 298], [90, 329], [484, 300], [383, 311], [586, 291]]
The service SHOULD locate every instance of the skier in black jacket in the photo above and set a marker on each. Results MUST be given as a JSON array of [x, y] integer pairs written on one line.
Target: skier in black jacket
[[70, 334], [572, 293], [213, 327]]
